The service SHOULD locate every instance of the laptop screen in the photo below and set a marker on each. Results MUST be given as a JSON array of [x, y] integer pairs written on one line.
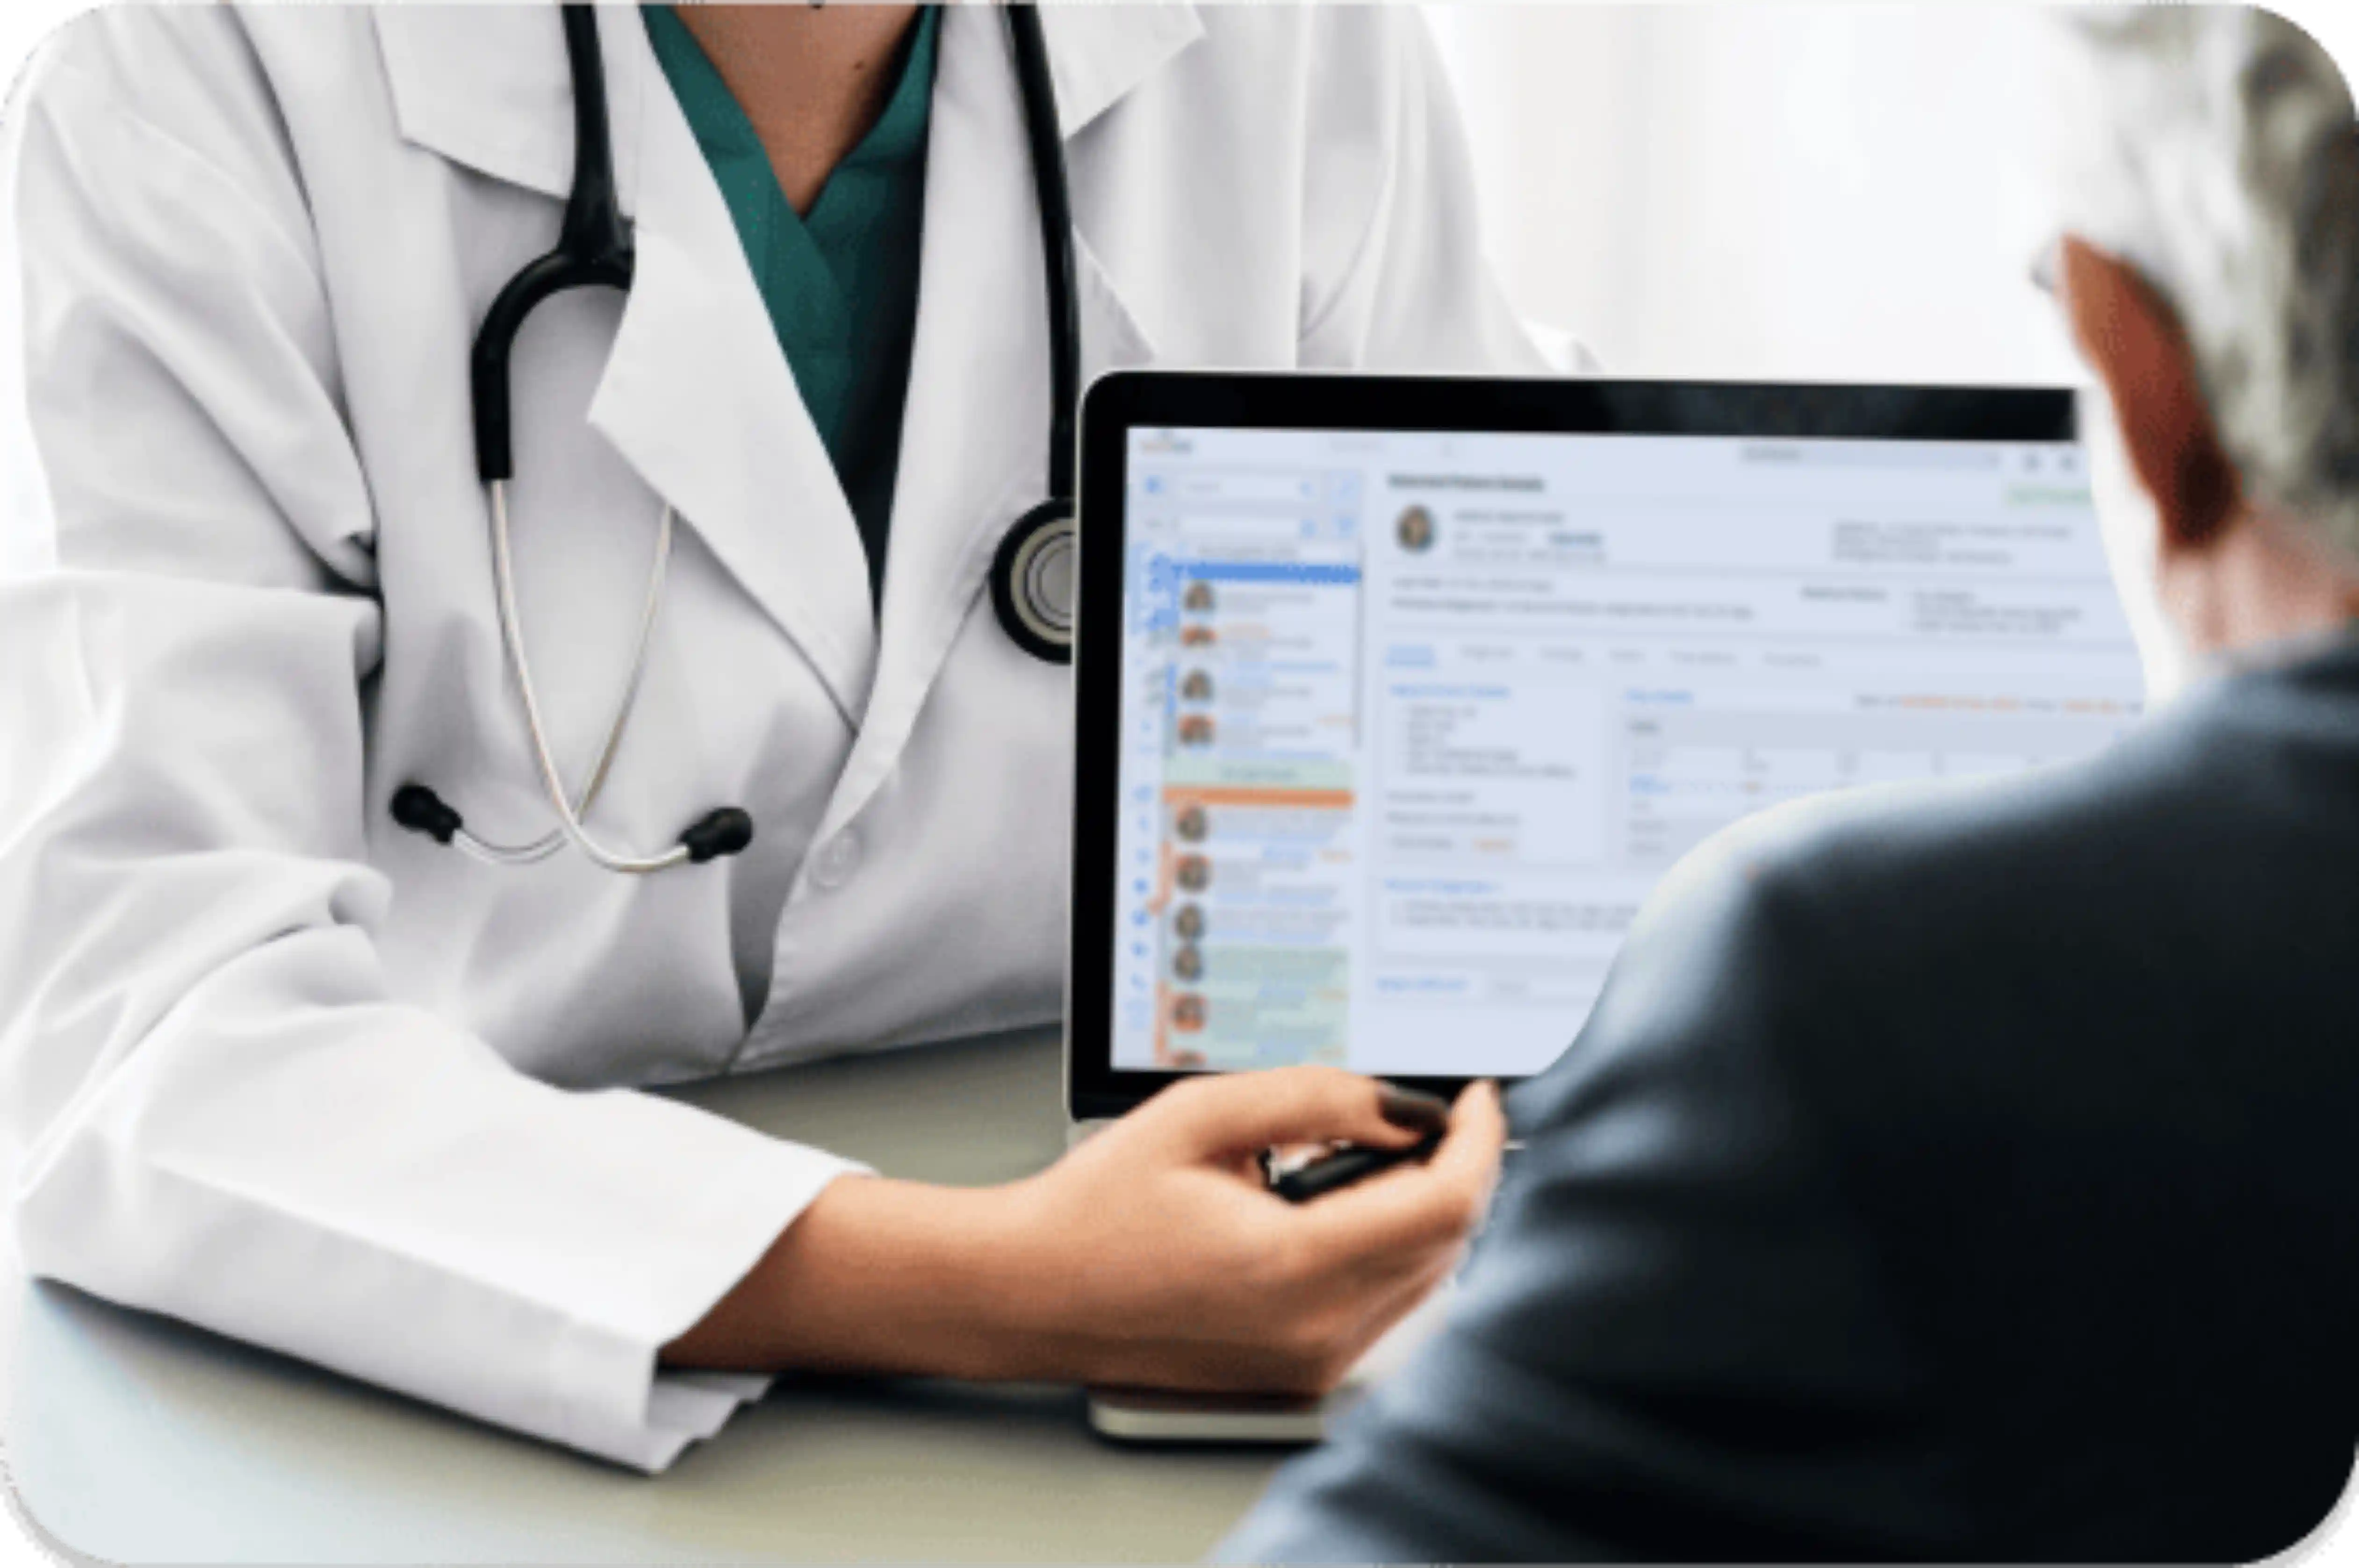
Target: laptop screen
[[1412, 723]]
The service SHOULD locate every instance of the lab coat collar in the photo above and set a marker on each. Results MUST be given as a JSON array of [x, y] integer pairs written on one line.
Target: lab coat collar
[[486, 85], [1098, 53]]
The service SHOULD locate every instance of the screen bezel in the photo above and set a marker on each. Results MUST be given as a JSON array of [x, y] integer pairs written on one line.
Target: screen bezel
[[1122, 401]]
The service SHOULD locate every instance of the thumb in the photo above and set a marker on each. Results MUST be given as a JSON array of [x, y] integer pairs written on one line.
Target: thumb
[[1233, 1112]]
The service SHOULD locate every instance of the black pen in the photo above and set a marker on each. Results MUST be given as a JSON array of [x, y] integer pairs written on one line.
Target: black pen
[[1353, 1162]]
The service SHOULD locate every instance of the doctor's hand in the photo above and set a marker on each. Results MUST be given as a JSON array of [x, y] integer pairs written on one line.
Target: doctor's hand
[[1166, 1262], [1153, 1255]]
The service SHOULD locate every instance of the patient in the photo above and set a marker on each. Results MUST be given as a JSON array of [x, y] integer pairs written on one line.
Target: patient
[[1972, 1173]]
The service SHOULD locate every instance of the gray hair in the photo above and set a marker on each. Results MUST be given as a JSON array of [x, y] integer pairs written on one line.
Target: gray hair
[[2215, 151]]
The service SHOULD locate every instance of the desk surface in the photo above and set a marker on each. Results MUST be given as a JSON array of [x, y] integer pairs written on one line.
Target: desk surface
[[135, 1439]]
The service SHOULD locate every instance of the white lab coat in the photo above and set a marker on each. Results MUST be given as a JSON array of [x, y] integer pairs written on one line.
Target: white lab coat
[[291, 1073]]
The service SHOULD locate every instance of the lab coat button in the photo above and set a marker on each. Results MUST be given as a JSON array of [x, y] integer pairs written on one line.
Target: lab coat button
[[834, 865]]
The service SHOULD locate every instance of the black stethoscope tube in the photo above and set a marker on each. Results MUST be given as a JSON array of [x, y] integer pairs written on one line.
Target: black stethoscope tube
[[1048, 140], [594, 250]]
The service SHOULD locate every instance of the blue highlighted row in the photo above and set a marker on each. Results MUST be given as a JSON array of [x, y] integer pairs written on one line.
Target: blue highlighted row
[[1269, 571]]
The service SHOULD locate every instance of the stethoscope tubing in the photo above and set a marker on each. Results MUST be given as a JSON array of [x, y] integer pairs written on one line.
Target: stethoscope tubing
[[594, 250], [1036, 90], [544, 760], [502, 566]]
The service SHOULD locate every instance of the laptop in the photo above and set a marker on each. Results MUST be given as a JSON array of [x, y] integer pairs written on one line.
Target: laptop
[[1398, 695]]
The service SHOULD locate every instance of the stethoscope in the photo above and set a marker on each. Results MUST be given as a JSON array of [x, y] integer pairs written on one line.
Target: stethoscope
[[1032, 574]]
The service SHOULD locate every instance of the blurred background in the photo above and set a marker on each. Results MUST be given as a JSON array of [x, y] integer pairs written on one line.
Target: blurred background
[[1830, 192]]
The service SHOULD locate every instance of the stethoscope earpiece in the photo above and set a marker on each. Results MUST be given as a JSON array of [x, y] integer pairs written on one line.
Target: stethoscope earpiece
[[421, 810], [711, 837], [716, 834], [1034, 582]]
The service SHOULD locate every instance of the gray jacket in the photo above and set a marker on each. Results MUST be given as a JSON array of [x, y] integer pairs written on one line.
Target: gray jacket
[[1962, 1174]]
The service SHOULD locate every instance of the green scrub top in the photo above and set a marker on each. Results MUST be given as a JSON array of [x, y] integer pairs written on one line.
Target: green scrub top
[[841, 281]]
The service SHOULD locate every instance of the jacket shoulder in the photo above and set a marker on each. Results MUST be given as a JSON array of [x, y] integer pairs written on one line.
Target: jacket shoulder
[[197, 81]]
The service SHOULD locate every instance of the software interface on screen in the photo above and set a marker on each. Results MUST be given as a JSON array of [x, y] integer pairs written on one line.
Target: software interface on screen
[[1412, 723]]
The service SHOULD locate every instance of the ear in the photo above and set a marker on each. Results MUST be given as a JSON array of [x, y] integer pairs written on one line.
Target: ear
[[2132, 339]]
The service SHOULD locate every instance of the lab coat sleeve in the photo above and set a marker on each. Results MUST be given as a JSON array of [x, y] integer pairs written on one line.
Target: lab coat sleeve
[[1396, 276], [224, 1114]]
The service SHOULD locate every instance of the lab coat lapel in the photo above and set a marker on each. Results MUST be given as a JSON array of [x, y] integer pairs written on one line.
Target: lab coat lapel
[[696, 393], [486, 86], [975, 427], [1097, 53], [699, 398]]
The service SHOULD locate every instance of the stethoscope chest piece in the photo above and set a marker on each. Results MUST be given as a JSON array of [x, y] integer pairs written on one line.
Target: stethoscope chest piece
[[1034, 582]]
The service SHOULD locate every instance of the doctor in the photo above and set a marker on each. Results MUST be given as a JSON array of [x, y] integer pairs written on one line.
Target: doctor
[[352, 1073]]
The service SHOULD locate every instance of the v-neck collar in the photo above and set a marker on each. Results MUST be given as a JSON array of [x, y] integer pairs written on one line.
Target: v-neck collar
[[899, 132], [797, 258]]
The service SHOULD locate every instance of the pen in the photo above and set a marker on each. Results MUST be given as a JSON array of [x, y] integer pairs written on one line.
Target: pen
[[1355, 1163]]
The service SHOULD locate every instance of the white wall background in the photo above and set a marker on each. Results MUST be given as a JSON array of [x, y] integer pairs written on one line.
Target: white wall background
[[1767, 191]]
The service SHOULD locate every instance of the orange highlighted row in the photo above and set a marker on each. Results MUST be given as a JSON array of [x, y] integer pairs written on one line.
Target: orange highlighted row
[[1238, 794]]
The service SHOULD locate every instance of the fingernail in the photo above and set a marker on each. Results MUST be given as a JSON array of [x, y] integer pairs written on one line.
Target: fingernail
[[1412, 1108]]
